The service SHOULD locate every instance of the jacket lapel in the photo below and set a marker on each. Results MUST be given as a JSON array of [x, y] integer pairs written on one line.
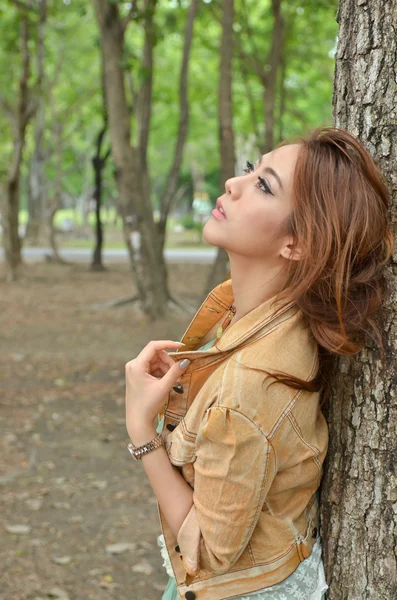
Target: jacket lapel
[[215, 305]]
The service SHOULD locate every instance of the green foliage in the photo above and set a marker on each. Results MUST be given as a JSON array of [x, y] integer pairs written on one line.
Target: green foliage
[[188, 222], [74, 100]]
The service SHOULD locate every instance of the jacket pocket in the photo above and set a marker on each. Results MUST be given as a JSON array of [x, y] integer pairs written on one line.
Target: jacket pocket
[[181, 449]]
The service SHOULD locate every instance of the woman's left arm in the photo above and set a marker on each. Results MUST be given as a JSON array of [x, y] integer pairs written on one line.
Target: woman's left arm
[[149, 378]]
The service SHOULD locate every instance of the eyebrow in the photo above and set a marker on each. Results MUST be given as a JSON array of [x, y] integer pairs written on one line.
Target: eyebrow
[[272, 172]]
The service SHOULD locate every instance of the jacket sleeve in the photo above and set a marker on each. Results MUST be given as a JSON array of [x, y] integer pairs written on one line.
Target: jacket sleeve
[[234, 469]]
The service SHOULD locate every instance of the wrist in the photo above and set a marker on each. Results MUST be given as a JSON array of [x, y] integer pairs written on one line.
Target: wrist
[[142, 433]]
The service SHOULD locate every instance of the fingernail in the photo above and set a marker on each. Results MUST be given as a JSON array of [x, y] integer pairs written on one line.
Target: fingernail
[[184, 363]]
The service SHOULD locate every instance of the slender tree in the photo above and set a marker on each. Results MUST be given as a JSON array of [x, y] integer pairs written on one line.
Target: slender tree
[[37, 184], [359, 487], [168, 198], [98, 162], [19, 113], [226, 134], [130, 160]]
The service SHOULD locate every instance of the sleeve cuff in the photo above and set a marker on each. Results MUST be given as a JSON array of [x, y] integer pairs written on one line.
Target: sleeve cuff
[[188, 540]]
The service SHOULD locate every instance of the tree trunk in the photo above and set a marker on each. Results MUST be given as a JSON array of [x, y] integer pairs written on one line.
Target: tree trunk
[[359, 487], [168, 198], [37, 185], [270, 84], [24, 111], [98, 162], [135, 203], [226, 136]]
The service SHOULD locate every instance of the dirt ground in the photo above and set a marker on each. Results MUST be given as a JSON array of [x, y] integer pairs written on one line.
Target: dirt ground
[[78, 516]]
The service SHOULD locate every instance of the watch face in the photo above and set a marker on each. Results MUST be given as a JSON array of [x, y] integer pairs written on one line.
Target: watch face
[[131, 451]]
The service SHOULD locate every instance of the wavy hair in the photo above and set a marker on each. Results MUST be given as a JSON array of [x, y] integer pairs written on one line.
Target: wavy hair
[[340, 220]]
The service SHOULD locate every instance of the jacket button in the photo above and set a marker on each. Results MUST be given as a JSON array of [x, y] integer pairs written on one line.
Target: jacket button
[[177, 549], [190, 595], [314, 532], [171, 426], [178, 388]]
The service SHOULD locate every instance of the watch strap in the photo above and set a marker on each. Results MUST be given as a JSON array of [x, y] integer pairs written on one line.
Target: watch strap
[[138, 451]]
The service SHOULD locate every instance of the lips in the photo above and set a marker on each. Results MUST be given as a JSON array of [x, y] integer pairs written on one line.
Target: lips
[[220, 205]]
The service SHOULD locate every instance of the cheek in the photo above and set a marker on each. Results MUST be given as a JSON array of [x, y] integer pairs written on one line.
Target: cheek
[[262, 220]]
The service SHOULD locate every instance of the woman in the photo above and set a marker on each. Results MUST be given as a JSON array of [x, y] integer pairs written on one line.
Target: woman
[[237, 461]]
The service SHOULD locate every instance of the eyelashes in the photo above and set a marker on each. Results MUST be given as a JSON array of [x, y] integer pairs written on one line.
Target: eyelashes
[[262, 184], [249, 167]]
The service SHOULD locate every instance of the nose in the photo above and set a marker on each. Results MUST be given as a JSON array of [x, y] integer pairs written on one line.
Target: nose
[[232, 187]]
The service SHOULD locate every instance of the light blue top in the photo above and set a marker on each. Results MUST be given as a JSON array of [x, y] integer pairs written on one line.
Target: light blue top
[[307, 582]]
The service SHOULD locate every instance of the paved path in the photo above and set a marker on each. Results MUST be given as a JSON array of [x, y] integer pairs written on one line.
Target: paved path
[[204, 255]]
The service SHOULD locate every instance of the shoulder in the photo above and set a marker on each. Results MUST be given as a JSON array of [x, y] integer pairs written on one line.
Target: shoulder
[[290, 347], [245, 384]]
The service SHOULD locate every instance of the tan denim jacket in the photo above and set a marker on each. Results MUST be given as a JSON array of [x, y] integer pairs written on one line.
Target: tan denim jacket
[[252, 454]]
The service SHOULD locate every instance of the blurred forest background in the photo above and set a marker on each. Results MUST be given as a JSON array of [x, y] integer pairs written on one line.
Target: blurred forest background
[[120, 122]]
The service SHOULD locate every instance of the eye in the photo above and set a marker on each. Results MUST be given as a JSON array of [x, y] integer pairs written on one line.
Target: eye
[[250, 167], [262, 185]]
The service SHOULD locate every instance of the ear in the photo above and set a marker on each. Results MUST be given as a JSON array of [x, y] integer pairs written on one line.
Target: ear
[[291, 252]]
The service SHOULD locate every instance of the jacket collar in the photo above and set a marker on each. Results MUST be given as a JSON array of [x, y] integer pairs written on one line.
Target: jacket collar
[[215, 305]]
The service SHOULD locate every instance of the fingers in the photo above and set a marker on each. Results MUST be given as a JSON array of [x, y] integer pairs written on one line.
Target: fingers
[[158, 366], [167, 360], [154, 348]]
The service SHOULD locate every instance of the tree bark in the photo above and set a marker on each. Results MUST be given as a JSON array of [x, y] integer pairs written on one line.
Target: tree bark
[[226, 135], [25, 108], [134, 199], [359, 487]]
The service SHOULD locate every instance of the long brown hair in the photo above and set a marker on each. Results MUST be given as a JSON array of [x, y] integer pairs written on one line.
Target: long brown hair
[[340, 220]]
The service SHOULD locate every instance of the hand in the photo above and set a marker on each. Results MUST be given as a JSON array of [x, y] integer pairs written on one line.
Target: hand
[[149, 378]]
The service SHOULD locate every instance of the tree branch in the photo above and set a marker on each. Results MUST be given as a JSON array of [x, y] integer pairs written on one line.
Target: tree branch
[[130, 15]]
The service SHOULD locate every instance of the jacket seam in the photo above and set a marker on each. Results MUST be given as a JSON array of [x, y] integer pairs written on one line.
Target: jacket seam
[[258, 564], [265, 475], [250, 553], [276, 326], [291, 404], [298, 432], [270, 318]]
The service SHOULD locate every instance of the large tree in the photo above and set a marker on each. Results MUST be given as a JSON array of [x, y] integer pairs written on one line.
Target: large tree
[[359, 488]]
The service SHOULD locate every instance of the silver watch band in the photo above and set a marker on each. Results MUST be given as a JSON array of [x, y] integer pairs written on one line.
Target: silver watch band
[[138, 451]]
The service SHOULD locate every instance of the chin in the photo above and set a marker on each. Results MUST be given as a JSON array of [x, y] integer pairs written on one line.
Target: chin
[[210, 234]]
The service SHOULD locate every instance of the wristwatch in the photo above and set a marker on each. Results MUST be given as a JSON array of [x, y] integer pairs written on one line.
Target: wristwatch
[[138, 451]]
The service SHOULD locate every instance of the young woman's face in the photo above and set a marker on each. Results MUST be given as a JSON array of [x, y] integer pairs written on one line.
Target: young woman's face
[[256, 205]]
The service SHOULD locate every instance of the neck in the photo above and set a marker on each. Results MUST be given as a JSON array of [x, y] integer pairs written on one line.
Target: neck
[[253, 284]]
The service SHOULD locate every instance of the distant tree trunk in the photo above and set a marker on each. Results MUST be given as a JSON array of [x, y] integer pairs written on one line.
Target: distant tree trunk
[[359, 487], [19, 116], [55, 199], [266, 69], [134, 197], [169, 195], [37, 185], [226, 136], [98, 163], [270, 81]]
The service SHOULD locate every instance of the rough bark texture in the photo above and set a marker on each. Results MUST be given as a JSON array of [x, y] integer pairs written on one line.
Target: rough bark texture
[[359, 487], [226, 135]]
